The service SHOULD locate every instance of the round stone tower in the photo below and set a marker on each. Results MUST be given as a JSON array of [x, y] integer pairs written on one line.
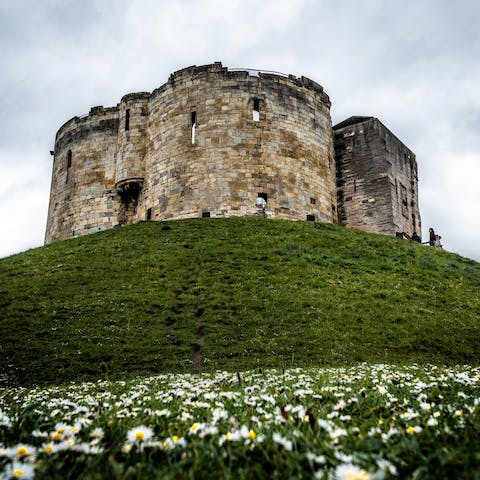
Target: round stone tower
[[210, 142]]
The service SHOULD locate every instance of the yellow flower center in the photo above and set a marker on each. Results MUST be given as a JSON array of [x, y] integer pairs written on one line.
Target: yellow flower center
[[361, 475], [48, 448], [410, 430], [57, 436], [175, 438], [18, 472], [22, 451], [252, 435], [139, 435], [194, 427], [228, 436]]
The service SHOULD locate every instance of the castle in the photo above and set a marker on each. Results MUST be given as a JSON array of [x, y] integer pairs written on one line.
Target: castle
[[217, 142]]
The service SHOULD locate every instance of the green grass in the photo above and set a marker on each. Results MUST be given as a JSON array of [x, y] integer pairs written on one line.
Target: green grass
[[259, 293], [366, 422]]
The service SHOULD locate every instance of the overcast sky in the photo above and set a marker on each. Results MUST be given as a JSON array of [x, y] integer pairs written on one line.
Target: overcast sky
[[414, 64]]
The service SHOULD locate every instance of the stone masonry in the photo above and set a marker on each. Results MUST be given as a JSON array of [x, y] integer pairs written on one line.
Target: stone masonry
[[376, 178], [214, 142]]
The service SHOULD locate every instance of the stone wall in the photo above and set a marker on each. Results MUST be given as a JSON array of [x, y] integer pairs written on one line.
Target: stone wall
[[82, 198], [256, 137], [217, 142], [376, 177]]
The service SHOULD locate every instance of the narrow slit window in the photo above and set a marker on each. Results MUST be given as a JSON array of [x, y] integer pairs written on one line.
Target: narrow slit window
[[256, 109], [127, 119], [313, 200], [193, 124], [149, 213], [69, 164]]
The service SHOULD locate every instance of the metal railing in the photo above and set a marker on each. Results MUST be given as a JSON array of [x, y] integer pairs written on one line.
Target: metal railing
[[254, 72]]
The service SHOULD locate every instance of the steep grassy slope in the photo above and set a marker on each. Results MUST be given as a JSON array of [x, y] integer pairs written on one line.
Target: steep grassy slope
[[232, 293]]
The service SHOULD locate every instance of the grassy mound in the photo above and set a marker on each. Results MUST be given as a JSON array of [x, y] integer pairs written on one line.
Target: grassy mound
[[232, 294]]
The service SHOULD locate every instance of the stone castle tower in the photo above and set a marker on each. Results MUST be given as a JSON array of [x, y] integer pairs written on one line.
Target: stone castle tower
[[214, 142]]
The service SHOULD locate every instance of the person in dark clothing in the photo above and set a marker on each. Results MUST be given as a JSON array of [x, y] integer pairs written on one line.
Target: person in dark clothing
[[416, 238], [432, 237]]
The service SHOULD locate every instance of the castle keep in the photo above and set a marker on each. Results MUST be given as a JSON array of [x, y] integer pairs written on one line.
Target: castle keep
[[214, 142]]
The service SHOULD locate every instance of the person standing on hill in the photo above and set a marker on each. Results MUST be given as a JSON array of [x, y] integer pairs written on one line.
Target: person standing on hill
[[432, 237]]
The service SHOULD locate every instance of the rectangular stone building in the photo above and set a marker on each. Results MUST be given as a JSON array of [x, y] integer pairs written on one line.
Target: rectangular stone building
[[376, 178]]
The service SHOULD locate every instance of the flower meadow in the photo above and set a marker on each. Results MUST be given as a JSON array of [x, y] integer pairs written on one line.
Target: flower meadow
[[361, 422]]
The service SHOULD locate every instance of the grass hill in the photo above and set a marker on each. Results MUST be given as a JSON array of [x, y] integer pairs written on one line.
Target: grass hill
[[232, 294]]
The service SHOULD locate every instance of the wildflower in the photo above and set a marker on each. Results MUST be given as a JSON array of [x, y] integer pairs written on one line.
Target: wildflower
[[170, 443], [432, 422], [49, 448], [351, 472], [139, 434], [285, 443], [20, 470], [97, 434], [387, 466], [21, 452], [194, 427], [24, 451], [316, 458], [411, 430], [5, 420]]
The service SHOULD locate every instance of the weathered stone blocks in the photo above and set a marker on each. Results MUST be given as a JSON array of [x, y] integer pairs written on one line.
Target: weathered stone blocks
[[216, 142], [209, 140]]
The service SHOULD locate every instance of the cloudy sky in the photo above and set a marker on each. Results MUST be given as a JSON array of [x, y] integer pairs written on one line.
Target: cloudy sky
[[414, 64]]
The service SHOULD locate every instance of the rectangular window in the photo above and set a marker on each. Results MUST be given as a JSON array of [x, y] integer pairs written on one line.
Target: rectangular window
[[256, 109], [149, 213], [263, 195], [205, 214], [313, 201], [127, 119], [193, 123], [310, 218]]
